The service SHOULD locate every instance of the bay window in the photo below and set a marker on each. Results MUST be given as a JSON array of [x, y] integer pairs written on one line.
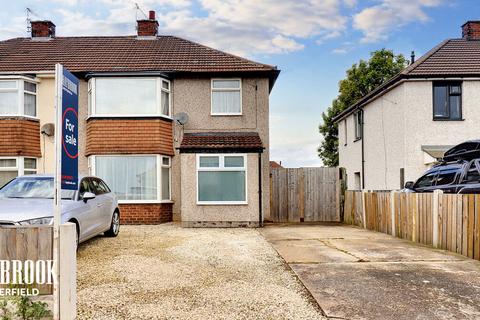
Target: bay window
[[221, 179], [129, 96], [135, 178], [18, 97], [12, 167], [226, 97]]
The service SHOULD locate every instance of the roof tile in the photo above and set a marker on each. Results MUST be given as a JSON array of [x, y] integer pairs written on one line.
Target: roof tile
[[114, 54], [221, 140]]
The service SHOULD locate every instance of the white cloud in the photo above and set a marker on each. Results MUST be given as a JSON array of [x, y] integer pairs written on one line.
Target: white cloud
[[340, 50], [251, 27], [378, 21], [247, 27]]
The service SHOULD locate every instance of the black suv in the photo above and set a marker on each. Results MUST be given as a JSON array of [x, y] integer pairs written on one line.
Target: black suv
[[459, 172]]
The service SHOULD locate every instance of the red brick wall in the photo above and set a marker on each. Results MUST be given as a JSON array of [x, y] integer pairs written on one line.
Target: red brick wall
[[20, 137], [147, 28], [129, 136], [471, 30], [146, 213]]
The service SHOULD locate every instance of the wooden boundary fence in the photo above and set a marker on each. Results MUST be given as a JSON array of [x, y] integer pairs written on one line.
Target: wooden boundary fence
[[27, 243], [445, 221], [305, 194]]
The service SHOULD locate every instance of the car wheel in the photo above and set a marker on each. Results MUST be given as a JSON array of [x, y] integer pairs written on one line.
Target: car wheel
[[114, 225]]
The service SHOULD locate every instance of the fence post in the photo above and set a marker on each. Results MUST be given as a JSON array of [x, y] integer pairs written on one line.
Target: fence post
[[392, 211], [364, 210], [68, 274], [435, 209]]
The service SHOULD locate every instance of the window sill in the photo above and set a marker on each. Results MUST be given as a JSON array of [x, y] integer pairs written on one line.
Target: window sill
[[446, 119], [144, 201], [222, 203], [130, 116], [16, 116], [226, 114]]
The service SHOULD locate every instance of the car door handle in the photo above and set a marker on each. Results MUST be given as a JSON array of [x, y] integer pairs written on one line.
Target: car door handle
[[99, 204]]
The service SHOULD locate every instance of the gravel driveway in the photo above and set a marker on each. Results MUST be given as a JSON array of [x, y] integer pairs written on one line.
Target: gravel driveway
[[167, 272]]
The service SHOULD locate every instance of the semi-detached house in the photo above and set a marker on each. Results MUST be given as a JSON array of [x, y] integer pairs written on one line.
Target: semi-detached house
[[403, 127], [211, 170]]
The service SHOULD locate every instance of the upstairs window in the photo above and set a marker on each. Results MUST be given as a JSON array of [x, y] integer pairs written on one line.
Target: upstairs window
[[18, 98], [447, 100], [129, 97], [358, 118], [226, 97]]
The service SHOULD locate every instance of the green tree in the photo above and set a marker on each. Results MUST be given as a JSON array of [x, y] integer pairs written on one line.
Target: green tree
[[360, 79]]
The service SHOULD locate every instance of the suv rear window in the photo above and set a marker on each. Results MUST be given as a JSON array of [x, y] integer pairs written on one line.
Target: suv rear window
[[473, 175], [446, 177]]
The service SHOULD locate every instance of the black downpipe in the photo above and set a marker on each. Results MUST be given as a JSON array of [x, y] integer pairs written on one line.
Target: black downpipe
[[363, 150], [260, 213]]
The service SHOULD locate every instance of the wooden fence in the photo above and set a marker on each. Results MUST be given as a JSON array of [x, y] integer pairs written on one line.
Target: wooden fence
[[305, 194], [446, 221], [27, 243]]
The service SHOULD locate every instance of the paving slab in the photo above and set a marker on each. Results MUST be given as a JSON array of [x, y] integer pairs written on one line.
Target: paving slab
[[391, 250], [358, 274], [397, 291], [309, 251], [315, 231]]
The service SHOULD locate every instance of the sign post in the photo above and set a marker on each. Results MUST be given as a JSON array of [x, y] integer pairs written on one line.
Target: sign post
[[66, 159]]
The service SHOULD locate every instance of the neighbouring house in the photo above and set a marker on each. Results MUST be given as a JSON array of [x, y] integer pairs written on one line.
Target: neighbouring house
[[403, 127], [275, 164], [210, 170]]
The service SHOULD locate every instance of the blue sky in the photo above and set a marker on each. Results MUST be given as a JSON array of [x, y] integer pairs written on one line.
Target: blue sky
[[313, 42]]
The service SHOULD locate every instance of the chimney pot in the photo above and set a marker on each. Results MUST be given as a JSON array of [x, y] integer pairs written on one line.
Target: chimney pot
[[43, 29], [471, 30], [151, 15]]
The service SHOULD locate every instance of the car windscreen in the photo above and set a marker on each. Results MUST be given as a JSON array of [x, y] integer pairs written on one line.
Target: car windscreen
[[426, 180], [32, 187]]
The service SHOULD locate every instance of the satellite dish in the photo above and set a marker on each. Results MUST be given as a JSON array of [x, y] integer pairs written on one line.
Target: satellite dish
[[181, 118], [48, 129]]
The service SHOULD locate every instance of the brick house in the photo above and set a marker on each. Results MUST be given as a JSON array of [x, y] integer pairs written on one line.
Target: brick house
[[210, 170]]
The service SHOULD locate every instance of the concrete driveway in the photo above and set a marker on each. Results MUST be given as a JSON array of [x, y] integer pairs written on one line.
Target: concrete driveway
[[358, 274]]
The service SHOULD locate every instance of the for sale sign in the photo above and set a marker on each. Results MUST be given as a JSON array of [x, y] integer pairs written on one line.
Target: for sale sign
[[69, 131]]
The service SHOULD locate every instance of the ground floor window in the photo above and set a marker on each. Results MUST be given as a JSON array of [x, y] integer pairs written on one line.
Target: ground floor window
[[221, 179], [12, 167], [135, 178]]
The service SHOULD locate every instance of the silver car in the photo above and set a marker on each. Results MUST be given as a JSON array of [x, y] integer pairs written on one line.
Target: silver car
[[28, 200]]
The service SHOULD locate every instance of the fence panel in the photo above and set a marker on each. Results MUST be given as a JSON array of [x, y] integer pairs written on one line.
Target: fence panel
[[27, 243], [305, 194], [446, 221]]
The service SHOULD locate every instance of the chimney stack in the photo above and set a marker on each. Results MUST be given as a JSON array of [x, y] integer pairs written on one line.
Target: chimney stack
[[43, 29], [148, 28], [471, 30]]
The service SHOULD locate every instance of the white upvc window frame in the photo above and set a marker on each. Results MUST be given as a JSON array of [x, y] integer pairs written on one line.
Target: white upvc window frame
[[159, 157], [212, 90], [159, 88], [221, 167], [19, 165], [19, 89], [169, 166]]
